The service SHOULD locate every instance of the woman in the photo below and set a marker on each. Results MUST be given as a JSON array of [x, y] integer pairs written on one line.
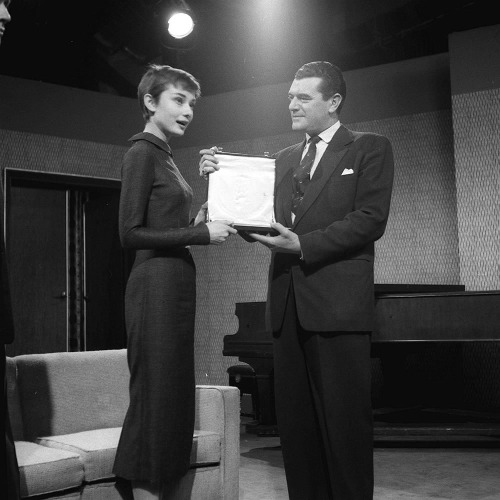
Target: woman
[[155, 444]]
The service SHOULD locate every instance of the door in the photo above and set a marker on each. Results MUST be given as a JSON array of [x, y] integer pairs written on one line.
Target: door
[[36, 250], [66, 265]]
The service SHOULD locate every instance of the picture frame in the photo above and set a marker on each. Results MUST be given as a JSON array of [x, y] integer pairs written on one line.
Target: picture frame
[[242, 192]]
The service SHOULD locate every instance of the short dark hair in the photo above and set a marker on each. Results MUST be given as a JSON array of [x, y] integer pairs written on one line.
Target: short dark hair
[[157, 78], [332, 79]]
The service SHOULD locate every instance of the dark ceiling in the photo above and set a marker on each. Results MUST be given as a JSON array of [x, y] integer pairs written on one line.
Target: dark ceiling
[[105, 45]]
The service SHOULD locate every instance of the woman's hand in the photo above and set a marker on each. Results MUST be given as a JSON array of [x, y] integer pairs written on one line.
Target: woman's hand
[[220, 231], [208, 161]]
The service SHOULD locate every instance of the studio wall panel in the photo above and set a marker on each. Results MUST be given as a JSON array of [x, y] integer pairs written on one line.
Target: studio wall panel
[[475, 84]]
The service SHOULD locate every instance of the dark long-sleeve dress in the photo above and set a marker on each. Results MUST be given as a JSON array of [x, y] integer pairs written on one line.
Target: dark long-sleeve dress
[[155, 204]]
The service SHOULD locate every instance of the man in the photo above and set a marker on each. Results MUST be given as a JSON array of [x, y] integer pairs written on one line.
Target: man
[[335, 202], [9, 472]]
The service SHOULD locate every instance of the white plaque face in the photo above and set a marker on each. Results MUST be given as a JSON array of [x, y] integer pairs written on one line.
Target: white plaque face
[[242, 191]]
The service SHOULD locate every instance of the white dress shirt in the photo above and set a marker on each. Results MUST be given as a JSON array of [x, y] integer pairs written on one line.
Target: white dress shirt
[[326, 136]]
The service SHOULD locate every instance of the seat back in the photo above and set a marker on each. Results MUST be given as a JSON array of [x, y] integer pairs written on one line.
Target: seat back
[[67, 392]]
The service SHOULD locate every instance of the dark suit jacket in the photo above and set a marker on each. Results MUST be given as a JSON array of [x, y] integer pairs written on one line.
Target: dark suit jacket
[[344, 211]]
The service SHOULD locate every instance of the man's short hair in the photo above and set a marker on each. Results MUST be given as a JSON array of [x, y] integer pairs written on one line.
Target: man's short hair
[[332, 79], [157, 78]]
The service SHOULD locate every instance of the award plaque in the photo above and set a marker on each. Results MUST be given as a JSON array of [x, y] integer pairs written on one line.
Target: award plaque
[[242, 192]]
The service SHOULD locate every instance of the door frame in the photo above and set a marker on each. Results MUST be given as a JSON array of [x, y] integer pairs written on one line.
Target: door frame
[[10, 174], [42, 179]]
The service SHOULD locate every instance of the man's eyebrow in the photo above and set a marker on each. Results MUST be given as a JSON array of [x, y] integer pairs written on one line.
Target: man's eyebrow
[[300, 95]]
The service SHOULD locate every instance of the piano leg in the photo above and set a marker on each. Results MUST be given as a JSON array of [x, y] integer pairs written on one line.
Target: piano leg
[[265, 424]]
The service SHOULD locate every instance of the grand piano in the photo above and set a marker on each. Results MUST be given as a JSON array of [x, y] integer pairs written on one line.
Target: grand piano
[[405, 315]]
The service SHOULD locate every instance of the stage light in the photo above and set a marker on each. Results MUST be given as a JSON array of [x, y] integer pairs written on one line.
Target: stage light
[[178, 24]]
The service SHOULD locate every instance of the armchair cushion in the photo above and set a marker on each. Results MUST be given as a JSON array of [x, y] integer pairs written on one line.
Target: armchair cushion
[[47, 470], [97, 449]]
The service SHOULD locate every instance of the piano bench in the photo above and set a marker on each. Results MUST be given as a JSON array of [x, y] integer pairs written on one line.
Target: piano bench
[[243, 377]]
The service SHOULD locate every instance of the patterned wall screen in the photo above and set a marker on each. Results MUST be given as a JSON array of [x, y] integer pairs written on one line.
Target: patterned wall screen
[[476, 127]]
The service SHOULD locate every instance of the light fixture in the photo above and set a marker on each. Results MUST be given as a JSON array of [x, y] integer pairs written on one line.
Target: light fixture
[[180, 25], [180, 22]]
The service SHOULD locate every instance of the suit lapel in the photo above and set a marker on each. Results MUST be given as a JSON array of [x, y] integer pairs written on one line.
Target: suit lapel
[[325, 169]]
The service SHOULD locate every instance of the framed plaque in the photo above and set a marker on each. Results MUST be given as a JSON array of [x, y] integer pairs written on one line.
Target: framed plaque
[[242, 192]]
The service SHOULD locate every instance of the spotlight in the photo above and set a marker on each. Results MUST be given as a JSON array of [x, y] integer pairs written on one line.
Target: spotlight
[[180, 25], [180, 22]]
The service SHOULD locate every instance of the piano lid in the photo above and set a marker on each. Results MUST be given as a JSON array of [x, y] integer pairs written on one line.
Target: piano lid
[[402, 313]]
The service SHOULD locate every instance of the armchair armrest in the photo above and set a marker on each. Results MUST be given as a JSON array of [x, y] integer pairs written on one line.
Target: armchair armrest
[[218, 410]]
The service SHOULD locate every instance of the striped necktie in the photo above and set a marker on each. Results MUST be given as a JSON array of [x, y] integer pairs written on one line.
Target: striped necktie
[[301, 175]]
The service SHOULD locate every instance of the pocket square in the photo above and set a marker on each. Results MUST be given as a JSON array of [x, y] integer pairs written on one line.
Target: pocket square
[[347, 171]]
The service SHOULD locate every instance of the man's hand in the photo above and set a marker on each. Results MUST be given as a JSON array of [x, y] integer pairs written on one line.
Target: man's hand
[[208, 161], [286, 241]]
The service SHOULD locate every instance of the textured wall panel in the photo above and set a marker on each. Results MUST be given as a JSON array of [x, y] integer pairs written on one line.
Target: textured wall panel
[[58, 155], [476, 125], [420, 244]]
